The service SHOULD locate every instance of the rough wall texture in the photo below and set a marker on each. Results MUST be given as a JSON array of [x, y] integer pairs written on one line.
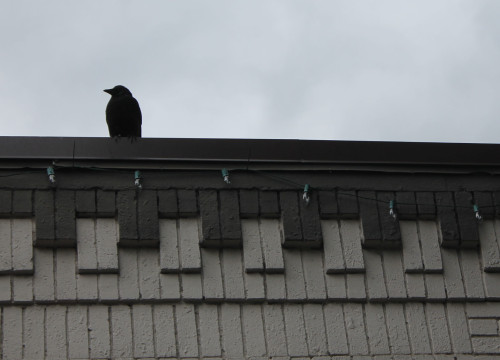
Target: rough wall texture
[[98, 270], [259, 331], [104, 301], [213, 272]]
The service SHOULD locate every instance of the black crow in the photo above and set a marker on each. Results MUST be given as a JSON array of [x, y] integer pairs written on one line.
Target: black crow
[[123, 114]]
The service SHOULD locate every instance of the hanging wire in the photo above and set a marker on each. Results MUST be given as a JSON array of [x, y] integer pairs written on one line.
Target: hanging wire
[[282, 179]]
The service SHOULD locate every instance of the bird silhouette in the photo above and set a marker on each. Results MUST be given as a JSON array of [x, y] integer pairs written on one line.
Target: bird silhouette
[[123, 114]]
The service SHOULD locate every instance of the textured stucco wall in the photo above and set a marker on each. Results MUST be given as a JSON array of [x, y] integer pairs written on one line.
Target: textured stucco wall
[[180, 300], [192, 267], [410, 330]]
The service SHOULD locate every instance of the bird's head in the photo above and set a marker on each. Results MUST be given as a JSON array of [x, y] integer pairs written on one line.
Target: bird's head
[[118, 90]]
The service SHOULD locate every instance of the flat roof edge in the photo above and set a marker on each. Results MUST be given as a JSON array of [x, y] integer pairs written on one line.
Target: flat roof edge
[[250, 151]]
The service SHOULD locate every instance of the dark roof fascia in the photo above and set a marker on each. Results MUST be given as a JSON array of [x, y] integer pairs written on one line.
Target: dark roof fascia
[[301, 153]]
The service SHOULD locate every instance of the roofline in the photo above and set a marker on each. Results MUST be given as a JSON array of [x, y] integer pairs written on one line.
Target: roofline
[[249, 151]]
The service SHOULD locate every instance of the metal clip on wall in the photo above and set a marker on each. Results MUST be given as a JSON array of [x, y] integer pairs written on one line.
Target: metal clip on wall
[[138, 179], [52, 175], [306, 196], [392, 210], [225, 176], [476, 212]]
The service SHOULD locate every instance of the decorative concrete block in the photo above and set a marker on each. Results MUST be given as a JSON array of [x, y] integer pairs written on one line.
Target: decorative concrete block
[[328, 206], [122, 344], [126, 203], [164, 331], [294, 275], [22, 203], [295, 330], [269, 205], [108, 287], [99, 336], [452, 275], [230, 225], [249, 203], [438, 328], [394, 275], [312, 261], [147, 217], [391, 233], [376, 285], [128, 281], [335, 329], [426, 205], [65, 274], [396, 327], [348, 204], [253, 330], [376, 329], [189, 246], [334, 256], [472, 274], [187, 202], [490, 250], [97, 241], [356, 331], [45, 220], [315, 329], [368, 208], [252, 246], [275, 330], [311, 223], [213, 289], [350, 235], [65, 218], [209, 334], [142, 322], [43, 277], [12, 325], [209, 212], [33, 332], [149, 274], [106, 203], [77, 336], [233, 274], [412, 255], [292, 229], [167, 203], [186, 330], [232, 340], [459, 332], [271, 245], [169, 246], [450, 235], [469, 236], [431, 251], [483, 327], [406, 205], [55, 332], [85, 203], [417, 328]]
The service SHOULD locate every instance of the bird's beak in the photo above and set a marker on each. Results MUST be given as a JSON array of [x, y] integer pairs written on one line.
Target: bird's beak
[[108, 91]]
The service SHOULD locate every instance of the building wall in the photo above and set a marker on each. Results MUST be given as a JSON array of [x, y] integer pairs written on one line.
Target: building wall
[[180, 300], [190, 266]]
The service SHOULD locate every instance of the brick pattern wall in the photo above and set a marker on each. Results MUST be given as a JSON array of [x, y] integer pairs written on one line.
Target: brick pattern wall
[[98, 270], [221, 212], [214, 273], [253, 331]]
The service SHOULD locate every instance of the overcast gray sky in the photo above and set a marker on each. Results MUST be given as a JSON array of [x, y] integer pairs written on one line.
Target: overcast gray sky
[[312, 69]]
